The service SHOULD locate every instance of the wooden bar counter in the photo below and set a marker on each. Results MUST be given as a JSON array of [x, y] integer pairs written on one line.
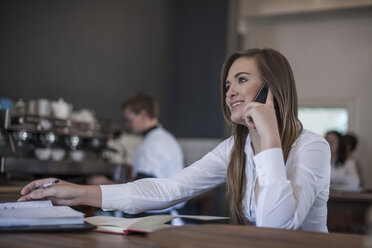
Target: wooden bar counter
[[212, 235], [347, 211], [72, 240], [249, 236]]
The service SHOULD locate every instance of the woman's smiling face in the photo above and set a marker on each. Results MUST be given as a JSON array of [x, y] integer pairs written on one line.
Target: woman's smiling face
[[242, 85]]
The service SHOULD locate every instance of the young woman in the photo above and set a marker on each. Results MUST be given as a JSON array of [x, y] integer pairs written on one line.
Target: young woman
[[277, 174]]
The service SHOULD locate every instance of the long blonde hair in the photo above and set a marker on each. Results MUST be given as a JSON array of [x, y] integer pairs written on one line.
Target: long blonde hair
[[276, 74]]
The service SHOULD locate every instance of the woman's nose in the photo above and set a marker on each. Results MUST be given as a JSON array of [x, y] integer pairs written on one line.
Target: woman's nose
[[231, 92]]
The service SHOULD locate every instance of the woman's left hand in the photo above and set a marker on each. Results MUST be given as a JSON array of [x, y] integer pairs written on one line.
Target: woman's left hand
[[261, 121]]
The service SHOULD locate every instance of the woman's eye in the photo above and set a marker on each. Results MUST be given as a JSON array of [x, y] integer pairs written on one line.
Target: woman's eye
[[227, 86], [242, 80]]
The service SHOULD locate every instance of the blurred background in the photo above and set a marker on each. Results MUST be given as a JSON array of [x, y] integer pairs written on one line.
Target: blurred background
[[94, 54], [97, 53]]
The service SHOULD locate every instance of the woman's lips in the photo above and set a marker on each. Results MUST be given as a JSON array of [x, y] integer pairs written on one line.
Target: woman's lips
[[236, 104]]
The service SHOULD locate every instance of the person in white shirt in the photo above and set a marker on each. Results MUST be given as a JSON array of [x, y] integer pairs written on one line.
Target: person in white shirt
[[344, 166], [159, 154], [277, 174]]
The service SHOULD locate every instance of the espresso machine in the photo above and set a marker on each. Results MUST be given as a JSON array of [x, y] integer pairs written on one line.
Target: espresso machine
[[34, 146]]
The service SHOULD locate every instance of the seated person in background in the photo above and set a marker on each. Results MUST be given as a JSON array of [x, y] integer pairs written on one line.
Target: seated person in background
[[350, 142], [159, 154], [277, 174], [344, 171]]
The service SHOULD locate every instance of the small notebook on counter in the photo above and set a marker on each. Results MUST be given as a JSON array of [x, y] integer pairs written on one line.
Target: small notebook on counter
[[39, 216], [146, 224]]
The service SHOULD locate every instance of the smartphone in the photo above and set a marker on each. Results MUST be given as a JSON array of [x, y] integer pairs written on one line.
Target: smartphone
[[261, 95]]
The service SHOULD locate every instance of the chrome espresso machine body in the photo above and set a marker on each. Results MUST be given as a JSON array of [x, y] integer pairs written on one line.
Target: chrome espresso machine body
[[33, 146]]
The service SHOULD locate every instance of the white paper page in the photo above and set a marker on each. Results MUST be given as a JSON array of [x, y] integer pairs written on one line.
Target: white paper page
[[152, 220], [45, 212], [40, 215], [202, 217], [25, 204], [111, 221], [116, 224], [40, 222]]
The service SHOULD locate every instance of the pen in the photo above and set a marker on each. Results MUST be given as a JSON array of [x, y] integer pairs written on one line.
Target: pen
[[45, 185]]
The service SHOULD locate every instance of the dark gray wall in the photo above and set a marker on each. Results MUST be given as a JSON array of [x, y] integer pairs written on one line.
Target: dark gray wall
[[92, 53], [198, 52], [96, 53]]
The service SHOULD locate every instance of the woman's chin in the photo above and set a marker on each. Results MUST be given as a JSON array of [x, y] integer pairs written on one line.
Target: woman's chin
[[237, 119]]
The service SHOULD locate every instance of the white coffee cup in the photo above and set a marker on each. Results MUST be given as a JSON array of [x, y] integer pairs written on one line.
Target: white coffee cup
[[43, 107], [43, 153], [58, 154]]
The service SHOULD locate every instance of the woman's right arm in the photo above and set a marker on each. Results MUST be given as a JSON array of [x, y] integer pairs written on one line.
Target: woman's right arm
[[160, 193], [141, 195]]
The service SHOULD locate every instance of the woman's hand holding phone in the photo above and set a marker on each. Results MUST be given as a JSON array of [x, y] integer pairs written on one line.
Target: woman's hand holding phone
[[261, 120]]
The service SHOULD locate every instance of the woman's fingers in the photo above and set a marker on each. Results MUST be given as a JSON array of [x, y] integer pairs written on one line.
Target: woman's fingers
[[259, 114], [35, 184], [250, 123], [62, 193], [32, 186], [247, 115], [34, 195], [24, 198], [38, 194], [270, 98], [251, 105], [35, 191]]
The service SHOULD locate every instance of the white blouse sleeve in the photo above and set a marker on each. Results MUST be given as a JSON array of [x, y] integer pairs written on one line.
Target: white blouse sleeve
[[286, 196], [160, 193]]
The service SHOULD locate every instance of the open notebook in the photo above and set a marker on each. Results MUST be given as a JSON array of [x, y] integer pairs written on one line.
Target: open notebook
[[40, 216], [147, 224]]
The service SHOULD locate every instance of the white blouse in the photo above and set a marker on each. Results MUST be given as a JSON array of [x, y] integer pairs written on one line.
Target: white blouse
[[292, 195]]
